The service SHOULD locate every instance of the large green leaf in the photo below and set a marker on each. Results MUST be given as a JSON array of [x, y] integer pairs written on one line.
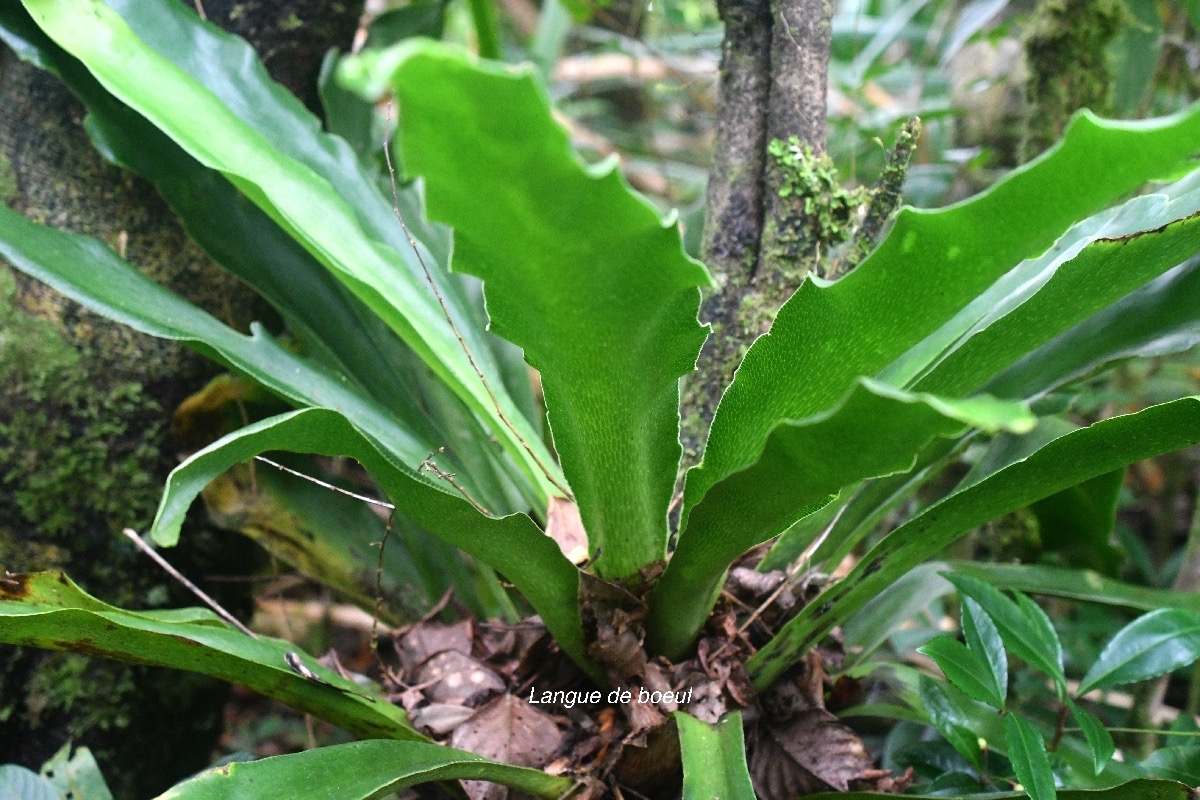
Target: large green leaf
[[874, 431], [1096, 263], [714, 758], [88, 272], [514, 545], [358, 771], [578, 270], [931, 265], [333, 326], [1157, 319], [47, 610], [1152, 645], [1065, 461], [332, 219]]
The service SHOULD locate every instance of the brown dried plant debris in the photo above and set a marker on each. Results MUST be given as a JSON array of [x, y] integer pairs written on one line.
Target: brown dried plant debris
[[479, 686]]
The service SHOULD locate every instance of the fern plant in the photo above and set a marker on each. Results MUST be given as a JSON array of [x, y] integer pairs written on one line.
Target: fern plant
[[963, 324]]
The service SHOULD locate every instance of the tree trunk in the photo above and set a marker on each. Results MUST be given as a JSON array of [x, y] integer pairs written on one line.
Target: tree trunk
[[84, 420], [773, 85]]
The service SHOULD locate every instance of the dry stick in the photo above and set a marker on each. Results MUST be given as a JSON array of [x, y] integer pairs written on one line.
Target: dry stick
[[330, 486], [387, 155], [379, 588], [793, 569], [448, 477], [193, 588], [200, 10]]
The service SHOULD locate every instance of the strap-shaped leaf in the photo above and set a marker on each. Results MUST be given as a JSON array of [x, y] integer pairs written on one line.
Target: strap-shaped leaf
[[381, 271], [875, 430], [931, 265], [333, 326], [45, 609], [1093, 265], [1152, 645], [1066, 461], [578, 270], [714, 758], [88, 272], [359, 771], [513, 545]]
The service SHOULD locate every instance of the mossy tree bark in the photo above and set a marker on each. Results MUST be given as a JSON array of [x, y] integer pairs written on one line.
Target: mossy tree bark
[[774, 66], [84, 419]]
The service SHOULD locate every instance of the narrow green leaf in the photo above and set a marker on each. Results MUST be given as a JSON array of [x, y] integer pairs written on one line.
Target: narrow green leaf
[[983, 639], [714, 758], [1152, 645], [931, 265], [1097, 736], [578, 270], [875, 430], [1027, 752], [1096, 263], [89, 273], [964, 668], [359, 771], [1157, 319], [1076, 584], [1178, 763], [949, 720], [1063, 462], [513, 545], [877, 620], [1140, 789], [45, 609], [1076, 523], [1026, 631], [303, 201]]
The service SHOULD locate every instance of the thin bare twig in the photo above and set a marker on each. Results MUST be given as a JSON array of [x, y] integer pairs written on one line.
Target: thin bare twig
[[387, 530], [200, 9], [448, 477], [193, 588], [330, 486], [412, 241]]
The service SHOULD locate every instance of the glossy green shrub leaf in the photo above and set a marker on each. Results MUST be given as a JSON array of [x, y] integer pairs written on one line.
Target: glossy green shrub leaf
[[1024, 628], [313, 208], [578, 270], [714, 758], [358, 771], [47, 610], [874, 430], [1064, 462], [1178, 763], [513, 545], [949, 719], [1097, 736], [983, 639], [1152, 645], [931, 265], [1027, 752], [965, 668]]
